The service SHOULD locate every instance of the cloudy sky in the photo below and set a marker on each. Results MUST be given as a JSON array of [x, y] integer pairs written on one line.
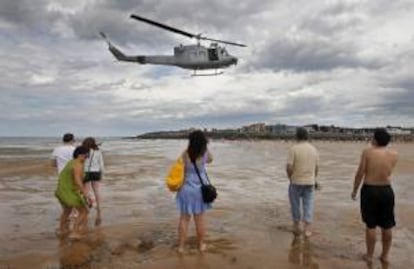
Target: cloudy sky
[[348, 63]]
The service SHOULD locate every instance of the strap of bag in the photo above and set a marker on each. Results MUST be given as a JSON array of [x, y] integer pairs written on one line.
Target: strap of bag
[[198, 173], [90, 162]]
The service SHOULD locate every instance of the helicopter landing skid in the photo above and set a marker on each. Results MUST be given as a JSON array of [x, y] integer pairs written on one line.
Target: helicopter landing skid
[[216, 73]]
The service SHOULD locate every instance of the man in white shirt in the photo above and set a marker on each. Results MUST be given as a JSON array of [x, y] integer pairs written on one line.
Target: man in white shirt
[[302, 169], [64, 153]]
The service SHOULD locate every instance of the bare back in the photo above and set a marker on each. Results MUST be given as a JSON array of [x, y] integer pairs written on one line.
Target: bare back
[[379, 164]]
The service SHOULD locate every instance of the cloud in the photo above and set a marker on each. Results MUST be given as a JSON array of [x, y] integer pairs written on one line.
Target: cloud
[[306, 53], [338, 62], [325, 37]]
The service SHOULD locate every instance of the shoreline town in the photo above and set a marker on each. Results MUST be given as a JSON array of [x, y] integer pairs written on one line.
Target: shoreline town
[[259, 131]]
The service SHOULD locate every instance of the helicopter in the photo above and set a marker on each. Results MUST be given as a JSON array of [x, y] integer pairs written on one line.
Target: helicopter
[[193, 57]]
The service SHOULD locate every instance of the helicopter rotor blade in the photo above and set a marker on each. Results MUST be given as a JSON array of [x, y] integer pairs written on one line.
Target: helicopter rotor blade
[[224, 42], [166, 27], [181, 32]]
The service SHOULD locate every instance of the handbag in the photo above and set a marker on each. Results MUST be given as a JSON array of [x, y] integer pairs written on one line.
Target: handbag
[[208, 191], [175, 177]]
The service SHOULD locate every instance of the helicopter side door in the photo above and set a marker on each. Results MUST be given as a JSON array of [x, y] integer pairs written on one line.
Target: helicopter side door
[[213, 54]]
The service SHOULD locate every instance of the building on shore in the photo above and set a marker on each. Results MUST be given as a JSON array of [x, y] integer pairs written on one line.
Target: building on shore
[[254, 128], [284, 131]]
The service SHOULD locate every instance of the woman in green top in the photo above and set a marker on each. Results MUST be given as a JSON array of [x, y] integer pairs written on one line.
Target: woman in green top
[[71, 194]]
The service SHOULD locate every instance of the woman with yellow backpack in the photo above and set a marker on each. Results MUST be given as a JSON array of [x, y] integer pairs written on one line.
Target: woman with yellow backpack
[[190, 203]]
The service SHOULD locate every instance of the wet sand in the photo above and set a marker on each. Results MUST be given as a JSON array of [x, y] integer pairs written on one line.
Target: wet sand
[[249, 226]]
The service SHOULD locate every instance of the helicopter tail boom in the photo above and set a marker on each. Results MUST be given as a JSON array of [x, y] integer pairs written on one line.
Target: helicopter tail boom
[[160, 60], [119, 55]]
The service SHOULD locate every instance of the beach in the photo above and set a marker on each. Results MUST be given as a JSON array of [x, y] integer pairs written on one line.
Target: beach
[[248, 227]]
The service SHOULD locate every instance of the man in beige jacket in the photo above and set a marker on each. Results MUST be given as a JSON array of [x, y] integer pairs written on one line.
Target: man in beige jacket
[[302, 170]]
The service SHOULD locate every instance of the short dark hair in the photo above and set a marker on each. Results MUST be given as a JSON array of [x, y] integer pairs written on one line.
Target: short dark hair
[[382, 137], [68, 137], [80, 150], [301, 134]]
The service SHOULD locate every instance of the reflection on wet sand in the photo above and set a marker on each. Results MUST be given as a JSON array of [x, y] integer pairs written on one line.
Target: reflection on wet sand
[[76, 254], [301, 253], [79, 253]]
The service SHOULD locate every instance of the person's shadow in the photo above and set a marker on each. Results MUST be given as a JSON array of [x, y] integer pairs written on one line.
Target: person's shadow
[[301, 253]]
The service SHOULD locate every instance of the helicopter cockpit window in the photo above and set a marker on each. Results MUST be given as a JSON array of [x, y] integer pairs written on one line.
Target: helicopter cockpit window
[[212, 54]]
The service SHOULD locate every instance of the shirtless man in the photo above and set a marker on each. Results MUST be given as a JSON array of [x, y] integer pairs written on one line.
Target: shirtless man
[[377, 196]]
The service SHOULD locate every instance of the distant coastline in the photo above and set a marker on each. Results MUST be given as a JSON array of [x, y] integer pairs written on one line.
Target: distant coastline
[[261, 131]]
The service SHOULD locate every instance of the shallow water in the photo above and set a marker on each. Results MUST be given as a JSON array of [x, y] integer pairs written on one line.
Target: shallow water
[[249, 226]]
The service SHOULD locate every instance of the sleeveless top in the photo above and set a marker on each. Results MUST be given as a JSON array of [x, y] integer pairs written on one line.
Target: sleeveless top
[[67, 192], [189, 199]]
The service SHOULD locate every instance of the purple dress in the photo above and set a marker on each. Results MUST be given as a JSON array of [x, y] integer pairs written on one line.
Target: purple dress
[[189, 199]]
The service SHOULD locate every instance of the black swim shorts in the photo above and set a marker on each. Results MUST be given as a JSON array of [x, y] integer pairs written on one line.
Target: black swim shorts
[[92, 176], [377, 206]]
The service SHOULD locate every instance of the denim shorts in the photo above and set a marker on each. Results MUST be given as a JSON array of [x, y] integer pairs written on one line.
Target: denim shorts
[[301, 194]]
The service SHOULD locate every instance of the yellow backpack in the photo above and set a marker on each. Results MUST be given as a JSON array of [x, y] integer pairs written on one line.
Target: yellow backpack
[[175, 177]]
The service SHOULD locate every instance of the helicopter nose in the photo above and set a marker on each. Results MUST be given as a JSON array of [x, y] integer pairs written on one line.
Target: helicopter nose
[[234, 60]]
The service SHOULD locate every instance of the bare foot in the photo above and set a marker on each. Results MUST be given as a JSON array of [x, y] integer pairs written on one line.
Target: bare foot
[[180, 250], [297, 230], [202, 247], [308, 233], [384, 259], [98, 221], [367, 258], [307, 229]]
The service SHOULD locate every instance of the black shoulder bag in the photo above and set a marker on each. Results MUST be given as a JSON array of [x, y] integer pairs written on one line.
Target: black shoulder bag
[[208, 191]]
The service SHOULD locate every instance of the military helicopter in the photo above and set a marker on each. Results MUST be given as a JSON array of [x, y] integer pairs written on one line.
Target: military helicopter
[[193, 57]]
